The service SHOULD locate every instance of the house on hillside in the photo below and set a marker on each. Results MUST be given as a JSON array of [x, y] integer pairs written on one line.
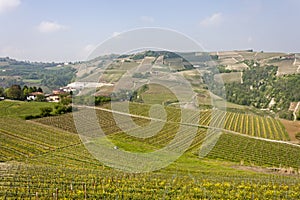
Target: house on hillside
[[52, 98], [32, 96], [56, 95], [2, 98]]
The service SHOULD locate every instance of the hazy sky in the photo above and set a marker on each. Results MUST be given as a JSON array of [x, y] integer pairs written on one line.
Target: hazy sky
[[68, 30]]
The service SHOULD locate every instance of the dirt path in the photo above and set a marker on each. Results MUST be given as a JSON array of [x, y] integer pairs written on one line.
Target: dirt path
[[295, 111], [242, 78]]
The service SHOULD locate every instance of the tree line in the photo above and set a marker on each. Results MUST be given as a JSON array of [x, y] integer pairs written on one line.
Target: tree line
[[16, 92]]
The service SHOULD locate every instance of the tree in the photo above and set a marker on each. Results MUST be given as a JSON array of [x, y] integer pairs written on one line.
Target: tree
[[40, 90], [30, 90], [25, 91], [65, 99], [14, 92], [40, 98], [62, 109], [1, 92]]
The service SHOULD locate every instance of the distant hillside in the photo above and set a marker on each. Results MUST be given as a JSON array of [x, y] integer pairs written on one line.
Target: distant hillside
[[46, 75], [259, 80]]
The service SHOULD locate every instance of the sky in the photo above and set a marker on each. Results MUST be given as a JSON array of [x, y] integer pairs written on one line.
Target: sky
[[69, 30]]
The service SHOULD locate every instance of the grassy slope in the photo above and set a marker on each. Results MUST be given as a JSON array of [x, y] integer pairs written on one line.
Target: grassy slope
[[20, 109]]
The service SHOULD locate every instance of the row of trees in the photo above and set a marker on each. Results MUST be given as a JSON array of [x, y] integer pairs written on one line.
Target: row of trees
[[16, 92]]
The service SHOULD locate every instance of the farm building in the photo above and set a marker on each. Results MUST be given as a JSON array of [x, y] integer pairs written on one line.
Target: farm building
[[33, 96]]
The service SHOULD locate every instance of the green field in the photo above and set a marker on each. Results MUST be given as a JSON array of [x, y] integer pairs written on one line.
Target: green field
[[20, 109]]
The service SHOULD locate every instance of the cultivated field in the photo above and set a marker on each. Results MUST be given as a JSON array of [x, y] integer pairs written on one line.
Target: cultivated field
[[45, 158]]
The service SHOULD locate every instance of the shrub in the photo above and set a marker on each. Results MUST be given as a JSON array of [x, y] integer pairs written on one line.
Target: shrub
[[46, 111]]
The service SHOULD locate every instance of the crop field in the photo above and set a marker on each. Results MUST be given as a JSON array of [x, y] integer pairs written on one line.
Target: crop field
[[253, 125], [21, 139], [69, 171], [255, 152], [248, 148], [248, 124], [47, 182], [45, 159]]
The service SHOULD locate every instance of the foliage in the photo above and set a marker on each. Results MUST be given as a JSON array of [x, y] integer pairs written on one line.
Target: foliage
[[50, 75], [14, 92], [46, 111], [91, 100], [61, 109], [40, 98], [2, 92], [58, 78], [286, 115], [260, 85]]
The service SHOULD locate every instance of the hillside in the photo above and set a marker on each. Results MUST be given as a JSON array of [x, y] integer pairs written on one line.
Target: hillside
[[46, 75], [260, 80], [252, 79], [45, 158], [226, 131]]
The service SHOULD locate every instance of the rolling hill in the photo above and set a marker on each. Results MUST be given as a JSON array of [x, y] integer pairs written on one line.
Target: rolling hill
[[240, 148]]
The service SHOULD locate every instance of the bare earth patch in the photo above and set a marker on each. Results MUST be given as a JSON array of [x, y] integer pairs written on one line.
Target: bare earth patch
[[292, 127]]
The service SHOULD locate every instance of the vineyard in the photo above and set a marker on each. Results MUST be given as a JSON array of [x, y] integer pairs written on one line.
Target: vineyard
[[252, 125], [255, 152], [45, 159], [46, 182], [21, 139]]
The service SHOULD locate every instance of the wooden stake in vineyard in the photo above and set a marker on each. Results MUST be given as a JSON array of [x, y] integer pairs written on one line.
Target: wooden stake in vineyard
[[84, 189], [56, 194]]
